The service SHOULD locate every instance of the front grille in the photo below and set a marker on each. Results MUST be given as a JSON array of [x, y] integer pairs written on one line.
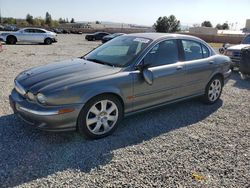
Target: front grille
[[236, 56], [19, 89]]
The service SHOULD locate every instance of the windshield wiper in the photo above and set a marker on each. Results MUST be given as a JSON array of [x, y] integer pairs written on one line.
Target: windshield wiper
[[101, 62]]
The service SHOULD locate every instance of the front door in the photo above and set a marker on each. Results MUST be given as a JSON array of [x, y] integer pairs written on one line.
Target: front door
[[168, 76]]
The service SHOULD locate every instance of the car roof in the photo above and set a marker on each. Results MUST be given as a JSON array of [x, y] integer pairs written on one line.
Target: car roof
[[34, 28], [159, 36], [156, 36]]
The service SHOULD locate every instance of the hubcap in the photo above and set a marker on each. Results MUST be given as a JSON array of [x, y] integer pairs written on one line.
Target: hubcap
[[102, 117], [214, 90]]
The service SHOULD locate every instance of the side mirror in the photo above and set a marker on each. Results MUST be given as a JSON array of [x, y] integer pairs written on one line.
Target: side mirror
[[148, 76], [226, 45]]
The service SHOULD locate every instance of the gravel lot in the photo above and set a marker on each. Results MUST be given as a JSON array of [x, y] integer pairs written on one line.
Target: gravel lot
[[188, 144]]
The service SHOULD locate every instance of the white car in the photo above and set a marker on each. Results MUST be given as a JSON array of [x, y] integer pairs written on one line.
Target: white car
[[36, 35], [234, 52]]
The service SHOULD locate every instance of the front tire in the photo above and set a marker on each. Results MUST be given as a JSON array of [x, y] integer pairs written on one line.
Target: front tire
[[11, 40], [48, 41], [100, 116], [213, 90]]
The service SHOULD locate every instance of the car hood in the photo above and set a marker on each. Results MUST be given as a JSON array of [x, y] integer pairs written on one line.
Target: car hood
[[58, 75], [238, 47]]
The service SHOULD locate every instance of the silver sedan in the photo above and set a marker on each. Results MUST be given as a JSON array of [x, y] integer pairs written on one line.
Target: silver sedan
[[34, 35], [126, 75]]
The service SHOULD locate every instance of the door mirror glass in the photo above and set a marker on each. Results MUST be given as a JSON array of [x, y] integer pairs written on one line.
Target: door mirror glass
[[148, 76]]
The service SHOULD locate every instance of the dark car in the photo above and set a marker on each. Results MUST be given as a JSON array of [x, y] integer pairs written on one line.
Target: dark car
[[96, 36], [129, 74], [245, 63], [110, 37]]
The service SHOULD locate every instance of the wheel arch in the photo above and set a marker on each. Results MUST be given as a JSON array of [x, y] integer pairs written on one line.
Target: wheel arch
[[217, 74], [88, 96], [11, 36]]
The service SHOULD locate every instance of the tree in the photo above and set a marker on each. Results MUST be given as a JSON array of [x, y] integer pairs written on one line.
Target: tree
[[225, 26], [72, 20], [23, 23], [219, 26], [206, 24], [48, 19], [30, 19], [97, 22], [10, 21], [167, 24]]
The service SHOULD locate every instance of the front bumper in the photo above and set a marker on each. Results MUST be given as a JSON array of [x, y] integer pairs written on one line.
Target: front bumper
[[43, 117], [54, 40], [227, 76]]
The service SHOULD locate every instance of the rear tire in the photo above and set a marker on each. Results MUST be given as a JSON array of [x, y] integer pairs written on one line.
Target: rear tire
[[100, 116], [48, 41], [11, 40], [213, 90]]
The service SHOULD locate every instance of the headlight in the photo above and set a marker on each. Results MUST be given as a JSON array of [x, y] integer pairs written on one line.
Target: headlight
[[228, 53], [41, 98], [30, 96]]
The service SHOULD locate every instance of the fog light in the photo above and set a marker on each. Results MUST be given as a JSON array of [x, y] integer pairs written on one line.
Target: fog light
[[41, 98]]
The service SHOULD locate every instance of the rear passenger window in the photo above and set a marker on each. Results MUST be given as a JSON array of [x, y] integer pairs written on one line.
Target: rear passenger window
[[39, 31], [205, 51], [192, 50]]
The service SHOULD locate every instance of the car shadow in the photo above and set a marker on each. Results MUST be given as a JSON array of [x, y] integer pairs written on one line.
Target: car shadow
[[240, 83], [25, 44], [28, 154]]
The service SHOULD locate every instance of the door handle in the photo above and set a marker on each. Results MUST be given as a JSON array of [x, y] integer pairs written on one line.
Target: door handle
[[179, 67], [211, 62]]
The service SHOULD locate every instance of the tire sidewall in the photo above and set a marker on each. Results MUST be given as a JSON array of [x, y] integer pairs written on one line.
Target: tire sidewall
[[11, 40], [206, 97], [48, 41], [81, 120]]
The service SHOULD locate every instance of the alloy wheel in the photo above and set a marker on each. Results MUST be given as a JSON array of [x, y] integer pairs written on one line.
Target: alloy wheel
[[214, 90], [102, 117]]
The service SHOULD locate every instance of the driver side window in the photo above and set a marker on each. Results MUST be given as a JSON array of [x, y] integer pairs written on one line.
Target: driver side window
[[164, 53]]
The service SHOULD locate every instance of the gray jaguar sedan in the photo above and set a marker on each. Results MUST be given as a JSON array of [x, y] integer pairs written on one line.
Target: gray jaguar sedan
[[129, 74]]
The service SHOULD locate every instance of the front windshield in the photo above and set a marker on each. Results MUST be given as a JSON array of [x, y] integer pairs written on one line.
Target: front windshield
[[119, 51], [246, 40]]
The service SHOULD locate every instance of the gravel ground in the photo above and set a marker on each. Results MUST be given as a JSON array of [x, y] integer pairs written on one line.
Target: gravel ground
[[188, 144]]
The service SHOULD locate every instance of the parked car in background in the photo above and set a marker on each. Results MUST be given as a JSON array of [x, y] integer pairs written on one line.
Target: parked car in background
[[96, 36], [234, 52], [110, 37], [36, 35], [129, 74], [10, 28], [1, 28]]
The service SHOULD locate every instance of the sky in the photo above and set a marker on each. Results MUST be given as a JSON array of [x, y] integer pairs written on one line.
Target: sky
[[142, 12]]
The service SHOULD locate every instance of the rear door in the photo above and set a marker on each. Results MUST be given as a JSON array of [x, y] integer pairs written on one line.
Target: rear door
[[168, 76], [39, 35], [199, 66]]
